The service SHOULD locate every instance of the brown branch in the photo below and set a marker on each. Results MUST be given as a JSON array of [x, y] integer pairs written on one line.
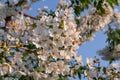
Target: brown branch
[[27, 15], [25, 48]]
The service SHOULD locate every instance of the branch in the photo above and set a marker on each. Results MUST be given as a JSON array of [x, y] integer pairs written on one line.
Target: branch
[[27, 15], [25, 48]]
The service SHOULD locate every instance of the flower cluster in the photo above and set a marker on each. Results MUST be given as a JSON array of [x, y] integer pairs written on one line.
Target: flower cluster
[[93, 22], [46, 48], [108, 54], [95, 71]]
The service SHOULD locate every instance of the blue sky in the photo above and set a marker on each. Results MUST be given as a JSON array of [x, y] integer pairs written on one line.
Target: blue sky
[[88, 49]]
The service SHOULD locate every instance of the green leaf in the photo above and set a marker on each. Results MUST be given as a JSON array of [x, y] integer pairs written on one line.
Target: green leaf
[[77, 21], [1, 60], [13, 77], [1, 78], [21, 2], [79, 75], [80, 70], [83, 68], [104, 70], [12, 53], [31, 46], [34, 25], [113, 37], [100, 8], [50, 26], [60, 77], [113, 2], [26, 78], [77, 2], [63, 35], [95, 3], [51, 38], [61, 48], [6, 75], [77, 10], [61, 25], [81, 5], [38, 69], [51, 13], [111, 60], [102, 78]]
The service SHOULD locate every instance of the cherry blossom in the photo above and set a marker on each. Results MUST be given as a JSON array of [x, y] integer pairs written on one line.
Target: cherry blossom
[[46, 47]]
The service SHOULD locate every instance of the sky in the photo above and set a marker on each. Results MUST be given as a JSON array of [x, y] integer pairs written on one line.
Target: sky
[[88, 49]]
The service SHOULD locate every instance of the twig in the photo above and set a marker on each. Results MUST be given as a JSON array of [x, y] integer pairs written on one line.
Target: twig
[[27, 15], [25, 48]]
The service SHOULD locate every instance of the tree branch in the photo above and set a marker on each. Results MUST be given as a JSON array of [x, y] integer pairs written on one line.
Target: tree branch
[[27, 15]]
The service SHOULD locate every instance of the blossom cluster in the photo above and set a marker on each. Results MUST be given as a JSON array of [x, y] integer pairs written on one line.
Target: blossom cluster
[[93, 22], [108, 54], [94, 70], [47, 48]]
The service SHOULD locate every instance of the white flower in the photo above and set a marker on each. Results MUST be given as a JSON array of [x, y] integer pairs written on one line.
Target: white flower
[[1, 50], [50, 67], [43, 57], [32, 55], [15, 1], [20, 73], [79, 59], [116, 78], [18, 58], [5, 68], [90, 62], [46, 7], [115, 65], [117, 48], [36, 75]]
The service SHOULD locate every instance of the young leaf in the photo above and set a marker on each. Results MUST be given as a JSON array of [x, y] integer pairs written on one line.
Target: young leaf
[[61, 25]]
